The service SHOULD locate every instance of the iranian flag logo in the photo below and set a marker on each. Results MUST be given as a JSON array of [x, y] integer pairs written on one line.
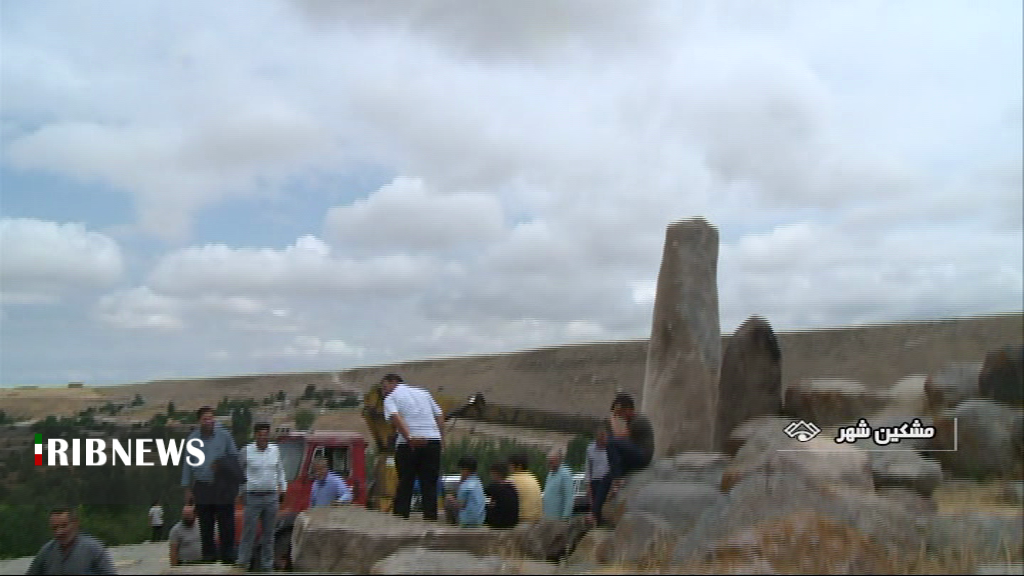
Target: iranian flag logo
[[39, 449]]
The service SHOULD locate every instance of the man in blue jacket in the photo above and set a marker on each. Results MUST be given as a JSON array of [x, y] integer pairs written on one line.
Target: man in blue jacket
[[213, 486]]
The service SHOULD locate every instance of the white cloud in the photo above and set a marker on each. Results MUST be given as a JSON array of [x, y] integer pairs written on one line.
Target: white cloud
[[406, 216], [307, 267], [862, 162], [310, 347], [40, 260], [140, 308]]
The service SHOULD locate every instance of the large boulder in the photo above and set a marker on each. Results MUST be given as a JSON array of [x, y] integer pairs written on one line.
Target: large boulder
[[756, 427], [952, 385], [679, 504], [425, 561], [702, 469], [902, 469], [589, 552], [803, 542], [547, 539], [685, 348], [980, 439], [750, 384], [353, 539], [1002, 376], [819, 461], [640, 538], [767, 501], [832, 401]]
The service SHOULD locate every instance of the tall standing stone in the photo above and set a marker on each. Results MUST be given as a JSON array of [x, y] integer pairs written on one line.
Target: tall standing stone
[[681, 383], [751, 377]]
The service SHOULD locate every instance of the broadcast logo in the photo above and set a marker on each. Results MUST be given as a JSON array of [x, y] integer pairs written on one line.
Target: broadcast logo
[[134, 452], [802, 431]]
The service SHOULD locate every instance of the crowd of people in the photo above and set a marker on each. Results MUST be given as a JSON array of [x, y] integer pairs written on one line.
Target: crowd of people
[[623, 444], [513, 494]]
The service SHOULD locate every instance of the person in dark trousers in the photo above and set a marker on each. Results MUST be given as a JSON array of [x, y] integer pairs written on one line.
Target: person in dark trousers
[[595, 472], [213, 487], [156, 521], [420, 424], [502, 500], [631, 443], [70, 551]]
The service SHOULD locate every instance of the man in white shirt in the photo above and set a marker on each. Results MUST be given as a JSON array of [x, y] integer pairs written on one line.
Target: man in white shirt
[[265, 484], [419, 422]]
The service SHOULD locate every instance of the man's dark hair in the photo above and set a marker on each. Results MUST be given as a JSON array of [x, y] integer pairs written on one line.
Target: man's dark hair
[[519, 459], [71, 511], [203, 410], [261, 426], [623, 400], [500, 468], [392, 377], [467, 463]]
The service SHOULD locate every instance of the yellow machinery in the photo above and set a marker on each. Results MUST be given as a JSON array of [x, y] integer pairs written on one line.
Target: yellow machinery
[[382, 491]]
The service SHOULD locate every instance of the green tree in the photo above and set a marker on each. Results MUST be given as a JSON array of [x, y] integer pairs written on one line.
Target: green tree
[[138, 401], [310, 391], [280, 396], [304, 419], [576, 452], [171, 409], [241, 424]]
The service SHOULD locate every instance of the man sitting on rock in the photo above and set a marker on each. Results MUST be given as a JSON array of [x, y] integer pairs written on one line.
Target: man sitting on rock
[[503, 502], [467, 506], [527, 487], [631, 444], [558, 488]]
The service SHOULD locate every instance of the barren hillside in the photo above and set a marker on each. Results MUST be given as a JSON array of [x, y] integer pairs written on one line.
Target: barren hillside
[[583, 378]]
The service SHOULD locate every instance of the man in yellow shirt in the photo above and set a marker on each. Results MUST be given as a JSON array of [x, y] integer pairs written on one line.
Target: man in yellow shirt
[[527, 487]]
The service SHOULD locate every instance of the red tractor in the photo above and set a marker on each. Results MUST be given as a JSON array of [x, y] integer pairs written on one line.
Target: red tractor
[[345, 453]]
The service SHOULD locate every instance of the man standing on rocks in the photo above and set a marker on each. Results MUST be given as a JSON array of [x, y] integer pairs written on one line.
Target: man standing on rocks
[[631, 445], [264, 487], [419, 422], [558, 493], [185, 543], [213, 486], [70, 552], [527, 487]]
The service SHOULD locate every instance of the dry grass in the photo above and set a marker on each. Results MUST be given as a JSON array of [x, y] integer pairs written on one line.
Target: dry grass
[[961, 497]]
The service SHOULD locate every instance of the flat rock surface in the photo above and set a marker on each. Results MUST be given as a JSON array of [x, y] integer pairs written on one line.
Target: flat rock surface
[[146, 558]]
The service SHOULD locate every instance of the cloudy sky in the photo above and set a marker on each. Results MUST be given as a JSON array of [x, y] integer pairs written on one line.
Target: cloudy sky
[[216, 188]]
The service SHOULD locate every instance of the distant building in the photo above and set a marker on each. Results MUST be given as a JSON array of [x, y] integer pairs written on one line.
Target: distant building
[[75, 384]]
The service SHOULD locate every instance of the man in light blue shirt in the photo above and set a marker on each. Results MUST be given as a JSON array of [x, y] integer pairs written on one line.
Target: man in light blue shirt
[[328, 487], [469, 497], [558, 493]]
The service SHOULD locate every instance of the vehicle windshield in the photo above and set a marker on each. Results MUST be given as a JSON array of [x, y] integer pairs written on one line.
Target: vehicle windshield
[[291, 458]]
